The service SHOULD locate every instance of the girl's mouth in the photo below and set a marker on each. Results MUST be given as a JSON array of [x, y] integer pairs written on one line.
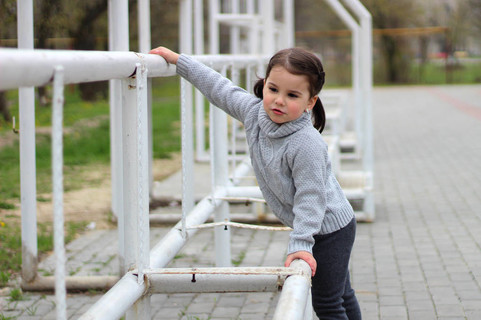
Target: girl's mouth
[[277, 111]]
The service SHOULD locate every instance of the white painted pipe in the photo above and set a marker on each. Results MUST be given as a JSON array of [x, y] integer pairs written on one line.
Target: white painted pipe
[[268, 27], [124, 294], [294, 295], [352, 24], [118, 41], [214, 9], [57, 190], [367, 84], [115, 303], [28, 189], [74, 283], [36, 67], [208, 283], [144, 47], [289, 27], [219, 170]]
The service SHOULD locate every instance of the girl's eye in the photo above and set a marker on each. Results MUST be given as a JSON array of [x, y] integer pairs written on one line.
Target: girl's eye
[[273, 89], [292, 95]]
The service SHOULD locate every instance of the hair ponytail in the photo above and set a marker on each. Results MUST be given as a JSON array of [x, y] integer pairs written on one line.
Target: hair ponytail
[[258, 88], [318, 115]]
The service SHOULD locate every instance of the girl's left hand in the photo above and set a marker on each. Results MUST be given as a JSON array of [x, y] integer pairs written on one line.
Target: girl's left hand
[[304, 255], [169, 55]]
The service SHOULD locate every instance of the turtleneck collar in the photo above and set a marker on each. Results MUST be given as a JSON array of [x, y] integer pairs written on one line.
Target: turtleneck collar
[[274, 130]]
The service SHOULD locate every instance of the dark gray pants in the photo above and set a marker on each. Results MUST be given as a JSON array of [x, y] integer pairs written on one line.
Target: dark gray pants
[[332, 295]]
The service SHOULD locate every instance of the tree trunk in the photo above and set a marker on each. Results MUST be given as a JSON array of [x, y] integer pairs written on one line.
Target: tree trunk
[[4, 108], [85, 39]]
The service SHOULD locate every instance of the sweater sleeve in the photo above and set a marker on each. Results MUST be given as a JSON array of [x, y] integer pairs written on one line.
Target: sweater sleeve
[[219, 90], [308, 165]]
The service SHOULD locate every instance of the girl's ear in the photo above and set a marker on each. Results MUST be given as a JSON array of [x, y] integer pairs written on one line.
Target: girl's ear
[[312, 102]]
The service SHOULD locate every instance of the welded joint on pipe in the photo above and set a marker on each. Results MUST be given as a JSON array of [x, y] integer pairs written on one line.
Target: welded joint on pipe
[[146, 282]]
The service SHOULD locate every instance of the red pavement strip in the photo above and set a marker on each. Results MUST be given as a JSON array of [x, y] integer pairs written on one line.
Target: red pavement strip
[[463, 106]]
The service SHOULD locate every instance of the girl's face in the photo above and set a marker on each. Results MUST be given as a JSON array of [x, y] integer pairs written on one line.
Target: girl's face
[[286, 95]]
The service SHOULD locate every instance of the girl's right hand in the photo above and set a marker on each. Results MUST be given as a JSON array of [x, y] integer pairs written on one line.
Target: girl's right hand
[[169, 55]]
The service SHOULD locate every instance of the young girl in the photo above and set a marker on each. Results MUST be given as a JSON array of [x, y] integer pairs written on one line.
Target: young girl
[[291, 163]]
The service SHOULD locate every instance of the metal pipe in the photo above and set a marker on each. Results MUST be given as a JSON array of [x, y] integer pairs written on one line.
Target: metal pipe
[[57, 190], [237, 217], [352, 24], [28, 189], [202, 280], [142, 216], [213, 26], [72, 283], [144, 47], [200, 148], [124, 294], [289, 28], [211, 283], [36, 67], [268, 27], [294, 297], [367, 83], [115, 303], [219, 169]]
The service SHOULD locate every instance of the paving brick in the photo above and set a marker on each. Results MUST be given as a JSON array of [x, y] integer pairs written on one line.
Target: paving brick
[[419, 259]]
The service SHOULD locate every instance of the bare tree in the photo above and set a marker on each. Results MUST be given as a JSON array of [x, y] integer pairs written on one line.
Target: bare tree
[[394, 50]]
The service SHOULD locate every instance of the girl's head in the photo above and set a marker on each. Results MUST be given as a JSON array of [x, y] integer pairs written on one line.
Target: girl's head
[[294, 77]]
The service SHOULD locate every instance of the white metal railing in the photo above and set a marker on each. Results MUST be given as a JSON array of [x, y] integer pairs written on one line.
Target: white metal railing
[[66, 67], [26, 68]]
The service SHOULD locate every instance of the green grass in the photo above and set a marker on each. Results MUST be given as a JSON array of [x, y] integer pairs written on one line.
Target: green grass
[[11, 244], [437, 73], [430, 73], [86, 145]]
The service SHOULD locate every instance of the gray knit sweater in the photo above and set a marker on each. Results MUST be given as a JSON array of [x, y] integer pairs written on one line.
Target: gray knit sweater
[[290, 160]]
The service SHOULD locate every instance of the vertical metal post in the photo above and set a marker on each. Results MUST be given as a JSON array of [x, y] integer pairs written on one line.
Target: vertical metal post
[[352, 24], [144, 47], [118, 41], [253, 32], [366, 83], [214, 10], [200, 148], [28, 189], [135, 178], [268, 27], [289, 29], [235, 30], [219, 167], [185, 27], [57, 177]]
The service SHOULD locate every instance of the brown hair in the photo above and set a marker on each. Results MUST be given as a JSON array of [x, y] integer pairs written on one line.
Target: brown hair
[[300, 62]]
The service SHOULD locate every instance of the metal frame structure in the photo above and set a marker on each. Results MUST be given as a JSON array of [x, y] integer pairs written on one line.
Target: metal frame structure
[[128, 73]]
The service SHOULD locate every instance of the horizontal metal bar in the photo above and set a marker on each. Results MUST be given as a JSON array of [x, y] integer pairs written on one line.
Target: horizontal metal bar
[[210, 283], [240, 279], [74, 283], [247, 217], [277, 271], [30, 68]]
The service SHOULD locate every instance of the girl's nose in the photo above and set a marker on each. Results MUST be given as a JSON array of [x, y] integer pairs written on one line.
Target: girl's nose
[[279, 101]]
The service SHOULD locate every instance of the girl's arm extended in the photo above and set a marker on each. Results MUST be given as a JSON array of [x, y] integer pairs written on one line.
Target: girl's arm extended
[[217, 89]]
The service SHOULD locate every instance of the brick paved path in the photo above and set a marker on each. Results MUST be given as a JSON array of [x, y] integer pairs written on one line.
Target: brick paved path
[[420, 259]]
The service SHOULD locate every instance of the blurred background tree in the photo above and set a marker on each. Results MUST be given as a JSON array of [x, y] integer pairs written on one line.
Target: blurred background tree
[[8, 30]]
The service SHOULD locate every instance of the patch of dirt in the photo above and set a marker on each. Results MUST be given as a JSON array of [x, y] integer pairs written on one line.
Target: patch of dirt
[[92, 204]]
